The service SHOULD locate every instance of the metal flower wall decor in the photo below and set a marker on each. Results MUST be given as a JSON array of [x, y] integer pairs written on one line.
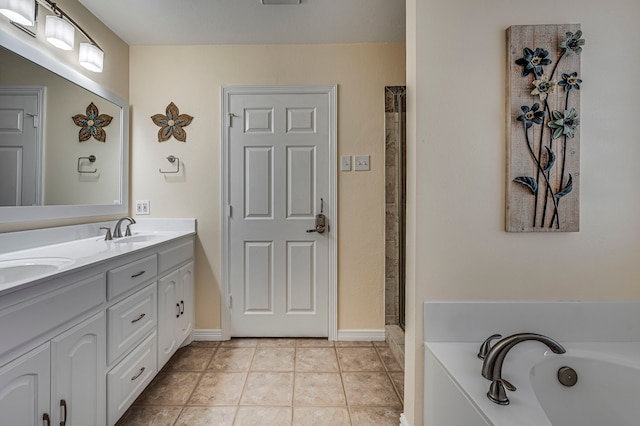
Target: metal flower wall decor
[[543, 128], [172, 123], [92, 124]]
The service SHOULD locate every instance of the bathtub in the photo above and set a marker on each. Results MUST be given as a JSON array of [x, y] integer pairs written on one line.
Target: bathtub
[[607, 392]]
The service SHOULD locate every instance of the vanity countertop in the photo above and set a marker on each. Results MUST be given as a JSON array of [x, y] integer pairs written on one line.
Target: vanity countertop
[[30, 257]]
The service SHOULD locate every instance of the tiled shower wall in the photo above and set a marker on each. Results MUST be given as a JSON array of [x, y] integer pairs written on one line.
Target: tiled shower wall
[[392, 267]]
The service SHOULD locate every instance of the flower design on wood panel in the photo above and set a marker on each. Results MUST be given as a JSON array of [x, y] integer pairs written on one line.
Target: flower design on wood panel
[[92, 124], [172, 124], [557, 119]]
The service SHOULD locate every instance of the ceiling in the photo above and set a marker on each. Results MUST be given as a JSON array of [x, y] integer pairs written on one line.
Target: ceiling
[[184, 22]]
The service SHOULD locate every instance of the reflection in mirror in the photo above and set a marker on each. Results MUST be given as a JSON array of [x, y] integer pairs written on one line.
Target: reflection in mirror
[[41, 157], [39, 147]]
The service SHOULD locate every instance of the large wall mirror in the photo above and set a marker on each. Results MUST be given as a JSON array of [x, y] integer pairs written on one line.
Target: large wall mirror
[[45, 171]]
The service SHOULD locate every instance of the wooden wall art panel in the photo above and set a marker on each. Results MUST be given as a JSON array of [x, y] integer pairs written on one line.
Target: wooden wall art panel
[[543, 132]]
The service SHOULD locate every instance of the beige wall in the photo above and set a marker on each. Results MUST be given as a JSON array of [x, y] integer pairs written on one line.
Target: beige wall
[[460, 251], [114, 77], [191, 77]]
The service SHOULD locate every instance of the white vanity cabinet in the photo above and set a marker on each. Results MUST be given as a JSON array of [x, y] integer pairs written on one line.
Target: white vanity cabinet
[[144, 324], [78, 348], [176, 313], [54, 339], [62, 380]]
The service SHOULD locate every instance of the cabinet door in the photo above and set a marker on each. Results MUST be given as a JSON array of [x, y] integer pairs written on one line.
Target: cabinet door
[[168, 316], [78, 367], [24, 389], [187, 311]]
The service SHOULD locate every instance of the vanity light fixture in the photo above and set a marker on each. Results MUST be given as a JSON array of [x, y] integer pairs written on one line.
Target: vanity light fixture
[[21, 12], [91, 57], [59, 30]]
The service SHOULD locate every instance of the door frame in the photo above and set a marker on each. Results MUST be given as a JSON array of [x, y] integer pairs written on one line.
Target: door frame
[[332, 210], [39, 120]]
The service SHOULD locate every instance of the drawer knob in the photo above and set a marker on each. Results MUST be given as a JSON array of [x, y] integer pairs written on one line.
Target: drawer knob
[[136, 275], [139, 374], [138, 319]]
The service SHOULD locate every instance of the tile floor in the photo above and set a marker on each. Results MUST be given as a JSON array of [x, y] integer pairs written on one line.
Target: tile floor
[[274, 382]]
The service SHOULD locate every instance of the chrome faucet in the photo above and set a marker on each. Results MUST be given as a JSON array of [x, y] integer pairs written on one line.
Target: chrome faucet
[[117, 233], [492, 365]]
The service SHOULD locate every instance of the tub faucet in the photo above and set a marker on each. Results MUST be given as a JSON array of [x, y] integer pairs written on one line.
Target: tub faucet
[[117, 233], [492, 365]]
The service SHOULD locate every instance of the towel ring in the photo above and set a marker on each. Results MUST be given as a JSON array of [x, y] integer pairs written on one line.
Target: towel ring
[[172, 159], [92, 159]]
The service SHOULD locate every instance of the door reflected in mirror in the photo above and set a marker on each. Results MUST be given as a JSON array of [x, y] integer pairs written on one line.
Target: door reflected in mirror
[[40, 153]]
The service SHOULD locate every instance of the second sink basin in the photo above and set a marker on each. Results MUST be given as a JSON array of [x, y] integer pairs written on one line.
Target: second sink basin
[[23, 269], [144, 237]]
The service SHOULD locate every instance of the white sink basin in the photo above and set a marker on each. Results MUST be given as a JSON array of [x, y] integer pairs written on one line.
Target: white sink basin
[[144, 237], [29, 268]]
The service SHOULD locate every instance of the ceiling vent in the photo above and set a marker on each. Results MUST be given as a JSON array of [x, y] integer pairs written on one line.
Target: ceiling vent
[[280, 1]]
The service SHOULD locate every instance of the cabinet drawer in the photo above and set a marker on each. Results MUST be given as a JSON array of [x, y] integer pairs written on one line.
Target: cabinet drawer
[[127, 380], [126, 277], [174, 256], [129, 320], [23, 321]]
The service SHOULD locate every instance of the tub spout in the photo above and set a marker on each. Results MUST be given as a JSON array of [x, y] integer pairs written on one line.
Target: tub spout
[[492, 365]]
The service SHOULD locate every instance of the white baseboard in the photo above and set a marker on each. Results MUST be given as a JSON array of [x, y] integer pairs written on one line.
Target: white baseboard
[[207, 335], [343, 335], [403, 420], [361, 335]]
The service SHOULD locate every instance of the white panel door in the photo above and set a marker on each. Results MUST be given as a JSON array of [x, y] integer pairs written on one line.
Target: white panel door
[[19, 148], [279, 170], [187, 302], [78, 380], [25, 389], [168, 316]]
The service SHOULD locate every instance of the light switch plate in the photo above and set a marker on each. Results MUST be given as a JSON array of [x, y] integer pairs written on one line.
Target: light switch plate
[[345, 163], [143, 207], [362, 162]]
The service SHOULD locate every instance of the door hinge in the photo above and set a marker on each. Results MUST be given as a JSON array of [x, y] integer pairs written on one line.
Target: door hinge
[[230, 301], [230, 211], [231, 115], [36, 121]]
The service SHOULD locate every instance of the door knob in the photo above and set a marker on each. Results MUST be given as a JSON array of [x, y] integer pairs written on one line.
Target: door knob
[[321, 220]]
